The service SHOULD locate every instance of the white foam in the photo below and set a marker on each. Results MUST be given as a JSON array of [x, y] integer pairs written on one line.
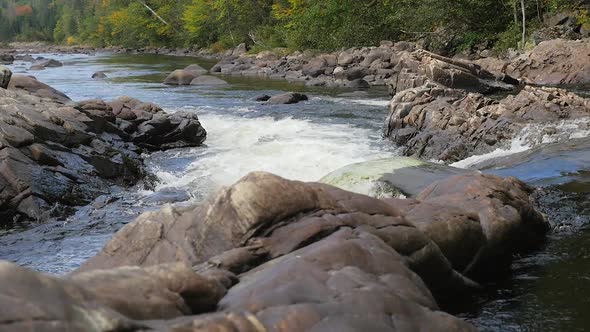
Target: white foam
[[534, 135], [291, 148], [370, 102]]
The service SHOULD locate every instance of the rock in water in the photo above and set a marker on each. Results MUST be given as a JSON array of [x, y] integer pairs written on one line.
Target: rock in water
[[196, 69], [99, 75], [6, 59], [180, 77], [208, 80], [309, 256], [5, 75], [287, 98], [55, 156], [434, 122], [391, 177], [49, 63]]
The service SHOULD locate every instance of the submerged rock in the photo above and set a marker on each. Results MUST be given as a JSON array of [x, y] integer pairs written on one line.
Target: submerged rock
[[392, 177], [48, 63], [309, 256], [433, 122], [208, 80]]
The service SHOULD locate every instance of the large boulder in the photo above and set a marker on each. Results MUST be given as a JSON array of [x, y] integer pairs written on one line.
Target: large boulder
[[148, 126], [553, 62], [264, 217], [180, 77], [421, 67], [37, 88], [434, 122], [110, 300], [54, 157], [309, 256], [5, 75]]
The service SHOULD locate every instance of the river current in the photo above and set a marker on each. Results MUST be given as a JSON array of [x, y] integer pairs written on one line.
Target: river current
[[548, 290]]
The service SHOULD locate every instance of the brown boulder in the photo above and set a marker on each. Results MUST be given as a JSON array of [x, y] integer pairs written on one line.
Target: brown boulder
[[180, 77], [37, 88], [553, 62]]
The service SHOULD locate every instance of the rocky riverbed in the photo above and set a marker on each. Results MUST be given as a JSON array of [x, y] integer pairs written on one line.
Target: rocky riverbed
[[368, 249]]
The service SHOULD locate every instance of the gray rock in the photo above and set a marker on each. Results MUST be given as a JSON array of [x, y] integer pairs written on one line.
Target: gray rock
[[208, 80], [180, 77], [287, 98], [34, 87], [262, 97], [6, 59], [196, 69], [99, 75], [49, 63]]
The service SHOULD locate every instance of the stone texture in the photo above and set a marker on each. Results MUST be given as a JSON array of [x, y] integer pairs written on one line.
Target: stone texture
[[434, 122]]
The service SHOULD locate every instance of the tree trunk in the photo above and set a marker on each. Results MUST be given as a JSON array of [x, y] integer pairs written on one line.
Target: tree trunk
[[523, 23]]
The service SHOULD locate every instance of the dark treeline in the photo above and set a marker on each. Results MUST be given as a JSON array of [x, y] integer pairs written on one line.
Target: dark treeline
[[263, 24]]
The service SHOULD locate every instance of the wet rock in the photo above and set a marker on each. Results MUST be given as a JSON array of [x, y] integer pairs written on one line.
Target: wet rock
[[5, 75], [391, 177], [208, 80], [6, 59], [262, 97], [49, 63], [25, 58], [287, 98], [37, 88], [433, 122], [180, 77], [55, 156], [36, 67], [99, 75]]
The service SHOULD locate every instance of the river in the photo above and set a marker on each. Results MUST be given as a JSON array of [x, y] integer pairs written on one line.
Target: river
[[548, 290]]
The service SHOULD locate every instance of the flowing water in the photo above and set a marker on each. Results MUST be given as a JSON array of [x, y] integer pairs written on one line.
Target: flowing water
[[548, 290]]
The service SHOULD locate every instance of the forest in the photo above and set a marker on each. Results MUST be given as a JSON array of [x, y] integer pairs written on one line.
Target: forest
[[266, 24]]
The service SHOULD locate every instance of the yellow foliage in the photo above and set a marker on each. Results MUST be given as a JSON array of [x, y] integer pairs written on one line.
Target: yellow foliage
[[71, 40]]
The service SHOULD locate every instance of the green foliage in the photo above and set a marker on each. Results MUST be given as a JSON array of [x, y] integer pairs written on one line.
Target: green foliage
[[269, 24]]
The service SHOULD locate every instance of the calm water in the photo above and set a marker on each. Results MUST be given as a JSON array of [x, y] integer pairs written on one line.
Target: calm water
[[549, 290]]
